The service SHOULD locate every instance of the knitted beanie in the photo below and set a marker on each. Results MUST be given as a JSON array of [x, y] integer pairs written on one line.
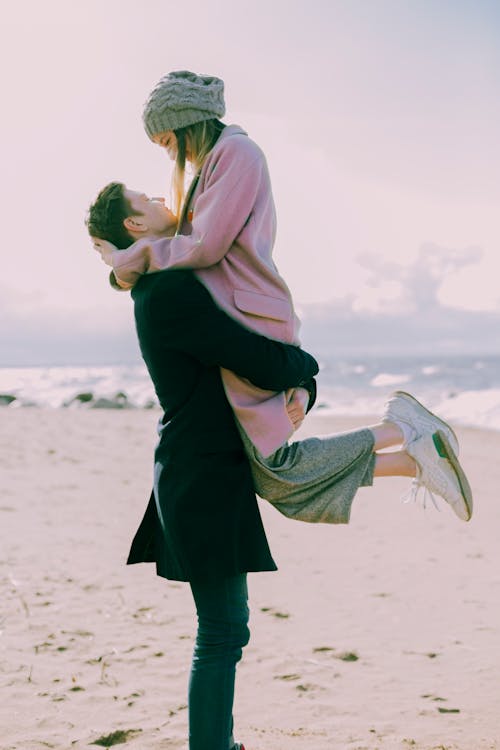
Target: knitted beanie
[[182, 98]]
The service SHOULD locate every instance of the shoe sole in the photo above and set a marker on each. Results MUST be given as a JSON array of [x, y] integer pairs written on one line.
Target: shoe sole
[[409, 397], [445, 451]]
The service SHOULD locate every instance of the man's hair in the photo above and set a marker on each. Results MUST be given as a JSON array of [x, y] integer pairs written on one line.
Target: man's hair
[[106, 215]]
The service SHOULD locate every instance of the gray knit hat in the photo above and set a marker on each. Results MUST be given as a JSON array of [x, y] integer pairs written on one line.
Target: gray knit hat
[[182, 98]]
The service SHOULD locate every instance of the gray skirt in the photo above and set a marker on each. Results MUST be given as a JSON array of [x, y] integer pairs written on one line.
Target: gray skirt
[[315, 479]]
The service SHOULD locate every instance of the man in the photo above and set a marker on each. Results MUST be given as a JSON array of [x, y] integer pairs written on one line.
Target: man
[[202, 518], [202, 523]]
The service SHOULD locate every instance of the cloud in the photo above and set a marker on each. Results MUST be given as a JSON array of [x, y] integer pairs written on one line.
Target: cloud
[[413, 287], [400, 310], [35, 331]]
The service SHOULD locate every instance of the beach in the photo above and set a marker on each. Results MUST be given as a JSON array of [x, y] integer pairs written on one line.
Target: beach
[[378, 635]]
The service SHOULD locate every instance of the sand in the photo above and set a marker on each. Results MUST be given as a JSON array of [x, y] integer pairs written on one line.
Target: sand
[[382, 634]]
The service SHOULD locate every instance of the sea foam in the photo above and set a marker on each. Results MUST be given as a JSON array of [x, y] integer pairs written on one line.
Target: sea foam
[[465, 390]]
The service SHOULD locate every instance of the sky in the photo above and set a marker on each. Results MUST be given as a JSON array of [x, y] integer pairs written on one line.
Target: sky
[[379, 120]]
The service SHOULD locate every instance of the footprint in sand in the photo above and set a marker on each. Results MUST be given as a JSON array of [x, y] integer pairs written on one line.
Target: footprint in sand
[[116, 738], [347, 656], [308, 687], [343, 655], [432, 697], [441, 709], [275, 612]]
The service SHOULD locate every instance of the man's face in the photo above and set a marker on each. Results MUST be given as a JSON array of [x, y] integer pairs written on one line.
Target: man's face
[[151, 216]]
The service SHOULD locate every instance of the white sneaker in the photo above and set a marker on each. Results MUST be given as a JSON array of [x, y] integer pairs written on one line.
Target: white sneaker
[[440, 472], [403, 407]]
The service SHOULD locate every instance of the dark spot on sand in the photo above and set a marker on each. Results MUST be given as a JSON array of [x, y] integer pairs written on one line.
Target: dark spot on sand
[[347, 656], [39, 646], [448, 710], [319, 649], [275, 612], [306, 687], [173, 711], [81, 633], [135, 648], [433, 697], [287, 677], [116, 738]]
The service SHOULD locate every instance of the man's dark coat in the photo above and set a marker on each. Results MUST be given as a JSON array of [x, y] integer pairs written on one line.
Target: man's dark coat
[[203, 519]]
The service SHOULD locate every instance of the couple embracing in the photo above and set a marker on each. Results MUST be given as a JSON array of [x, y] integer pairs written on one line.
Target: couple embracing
[[218, 333]]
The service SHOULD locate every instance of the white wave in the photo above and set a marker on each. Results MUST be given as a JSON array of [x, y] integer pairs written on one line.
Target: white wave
[[384, 379], [465, 404], [473, 408], [430, 370], [56, 386]]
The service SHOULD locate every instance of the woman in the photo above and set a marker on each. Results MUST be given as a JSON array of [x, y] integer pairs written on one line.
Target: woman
[[226, 233]]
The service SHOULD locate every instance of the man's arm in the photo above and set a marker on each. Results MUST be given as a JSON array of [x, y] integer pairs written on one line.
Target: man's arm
[[187, 319], [234, 175]]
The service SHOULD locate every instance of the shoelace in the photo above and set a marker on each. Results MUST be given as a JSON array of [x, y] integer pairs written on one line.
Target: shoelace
[[411, 495]]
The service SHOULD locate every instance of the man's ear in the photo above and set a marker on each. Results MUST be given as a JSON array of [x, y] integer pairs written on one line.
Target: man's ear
[[134, 225]]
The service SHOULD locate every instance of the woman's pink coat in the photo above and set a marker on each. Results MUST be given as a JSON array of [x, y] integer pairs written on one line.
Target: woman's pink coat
[[227, 237]]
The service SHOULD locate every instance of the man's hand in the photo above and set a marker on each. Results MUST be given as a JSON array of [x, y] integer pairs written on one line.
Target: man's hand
[[105, 248], [297, 400]]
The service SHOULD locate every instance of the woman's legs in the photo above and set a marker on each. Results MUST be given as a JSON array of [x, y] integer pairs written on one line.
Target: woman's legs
[[316, 479], [386, 435], [397, 464], [222, 608]]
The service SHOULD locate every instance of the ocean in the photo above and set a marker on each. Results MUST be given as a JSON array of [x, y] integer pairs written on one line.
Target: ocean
[[463, 389]]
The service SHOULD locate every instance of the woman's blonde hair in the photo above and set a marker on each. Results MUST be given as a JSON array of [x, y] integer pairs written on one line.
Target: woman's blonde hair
[[202, 138]]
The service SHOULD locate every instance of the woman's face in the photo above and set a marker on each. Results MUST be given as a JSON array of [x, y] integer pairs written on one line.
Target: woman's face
[[168, 141]]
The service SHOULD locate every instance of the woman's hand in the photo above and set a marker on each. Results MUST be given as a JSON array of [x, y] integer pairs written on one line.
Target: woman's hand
[[105, 248], [297, 400]]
